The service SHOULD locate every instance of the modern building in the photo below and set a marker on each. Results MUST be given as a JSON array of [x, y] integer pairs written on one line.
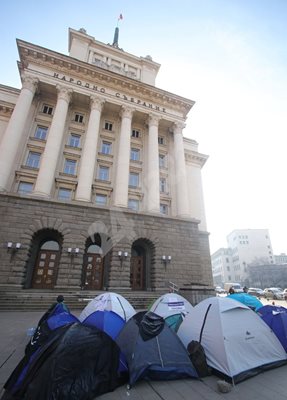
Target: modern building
[[246, 247], [100, 189], [222, 267], [280, 259]]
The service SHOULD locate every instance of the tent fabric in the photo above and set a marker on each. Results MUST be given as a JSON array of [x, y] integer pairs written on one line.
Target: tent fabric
[[247, 299], [106, 321], [50, 326], [276, 318], [112, 324], [153, 350], [81, 364], [237, 342], [171, 304], [172, 307], [109, 302]]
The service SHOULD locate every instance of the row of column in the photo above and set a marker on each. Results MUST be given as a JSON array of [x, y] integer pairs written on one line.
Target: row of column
[[45, 179]]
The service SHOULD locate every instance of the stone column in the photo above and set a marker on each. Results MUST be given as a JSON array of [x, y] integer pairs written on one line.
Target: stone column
[[152, 178], [12, 136], [49, 159], [180, 172], [123, 163], [89, 154]]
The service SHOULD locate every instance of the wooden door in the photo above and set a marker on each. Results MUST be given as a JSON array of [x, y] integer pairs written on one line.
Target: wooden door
[[93, 272], [45, 271], [137, 273]]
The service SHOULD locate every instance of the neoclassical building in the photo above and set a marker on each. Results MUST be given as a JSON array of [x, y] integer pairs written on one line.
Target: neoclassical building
[[99, 188]]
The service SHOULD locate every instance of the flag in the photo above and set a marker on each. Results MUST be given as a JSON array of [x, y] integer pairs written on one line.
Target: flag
[[120, 17]]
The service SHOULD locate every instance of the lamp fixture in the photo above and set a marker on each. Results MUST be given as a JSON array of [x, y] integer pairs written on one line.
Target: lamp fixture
[[73, 251], [14, 246], [165, 259], [122, 254]]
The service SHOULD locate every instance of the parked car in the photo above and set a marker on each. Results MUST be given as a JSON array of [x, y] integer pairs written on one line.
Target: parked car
[[256, 292], [274, 293]]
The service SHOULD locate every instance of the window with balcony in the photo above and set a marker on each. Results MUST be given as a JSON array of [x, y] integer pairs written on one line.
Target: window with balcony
[[162, 160], [162, 185]]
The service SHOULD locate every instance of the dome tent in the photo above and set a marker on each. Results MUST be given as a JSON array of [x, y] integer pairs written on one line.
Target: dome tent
[[109, 302], [153, 350], [237, 343]]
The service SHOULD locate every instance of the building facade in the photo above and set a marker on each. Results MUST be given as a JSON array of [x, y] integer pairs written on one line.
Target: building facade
[[222, 267], [246, 247], [99, 189]]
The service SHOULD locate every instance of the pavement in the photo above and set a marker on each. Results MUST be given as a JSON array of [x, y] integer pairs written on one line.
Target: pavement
[[269, 385]]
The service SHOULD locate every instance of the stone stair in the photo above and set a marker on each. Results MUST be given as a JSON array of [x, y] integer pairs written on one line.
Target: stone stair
[[40, 300]]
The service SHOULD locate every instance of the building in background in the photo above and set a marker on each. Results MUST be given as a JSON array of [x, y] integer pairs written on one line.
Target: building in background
[[100, 190], [280, 259], [246, 247]]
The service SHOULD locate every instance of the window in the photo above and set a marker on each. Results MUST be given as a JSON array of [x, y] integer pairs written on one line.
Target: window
[[162, 185], [164, 209], [41, 132], [25, 187], [160, 140], [133, 204], [33, 159], [135, 133], [108, 126], [64, 194], [70, 167], [103, 173], [79, 118], [161, 160], [74, 140], [47, 109], [134, 179], [101, 199], [135, 154], [106, 148]]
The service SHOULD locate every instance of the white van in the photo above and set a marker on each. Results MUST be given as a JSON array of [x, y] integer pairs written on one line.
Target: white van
[[236, 286]]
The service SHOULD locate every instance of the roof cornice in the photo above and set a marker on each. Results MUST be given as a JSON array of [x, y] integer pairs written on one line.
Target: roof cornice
[[30, 53]]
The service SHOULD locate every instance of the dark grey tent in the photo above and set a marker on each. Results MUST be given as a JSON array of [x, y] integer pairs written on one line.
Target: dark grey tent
[[76, 362], [153, 350]]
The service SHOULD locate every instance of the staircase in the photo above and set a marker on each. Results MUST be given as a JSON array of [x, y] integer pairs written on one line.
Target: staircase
[[40, 300]]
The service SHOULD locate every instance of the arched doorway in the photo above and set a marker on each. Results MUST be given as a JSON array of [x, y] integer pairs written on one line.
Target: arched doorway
[[141, 260], [93, 268], [46, 266]]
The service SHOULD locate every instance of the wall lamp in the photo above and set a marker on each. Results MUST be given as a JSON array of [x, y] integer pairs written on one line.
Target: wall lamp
[[14, 246], [73, 251], [165, 260], [122, 255]]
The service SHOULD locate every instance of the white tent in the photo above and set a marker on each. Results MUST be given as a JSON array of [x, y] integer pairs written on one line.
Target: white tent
[[170, 304], [237, 342], [109, 301]]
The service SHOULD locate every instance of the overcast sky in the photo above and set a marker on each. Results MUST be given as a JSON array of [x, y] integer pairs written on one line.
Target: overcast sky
[[229, 56]]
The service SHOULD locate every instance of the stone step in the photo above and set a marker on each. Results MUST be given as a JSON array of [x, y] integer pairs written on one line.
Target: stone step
[[40, 300]]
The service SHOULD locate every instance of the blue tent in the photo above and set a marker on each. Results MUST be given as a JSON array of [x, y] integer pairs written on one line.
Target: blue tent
[[247, 299], [276, 318], [110, 323], [153, 350], [106, 321]]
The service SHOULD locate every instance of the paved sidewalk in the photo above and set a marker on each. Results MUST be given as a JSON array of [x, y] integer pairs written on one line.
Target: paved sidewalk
[[270, 385]]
